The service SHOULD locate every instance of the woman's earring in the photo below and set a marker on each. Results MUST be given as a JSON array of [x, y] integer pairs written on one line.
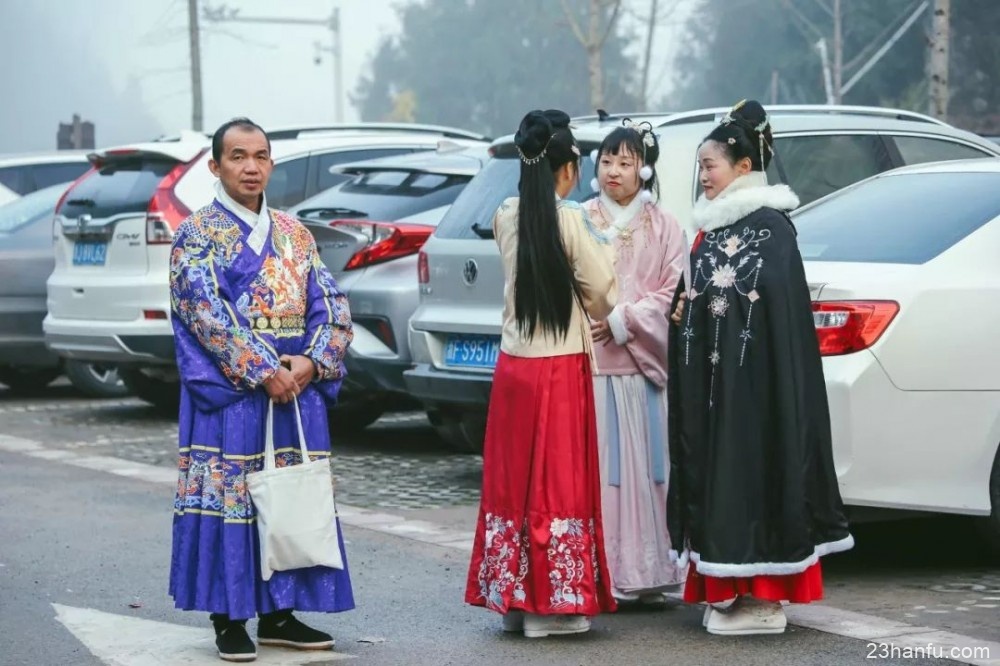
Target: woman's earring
[[595, 184]]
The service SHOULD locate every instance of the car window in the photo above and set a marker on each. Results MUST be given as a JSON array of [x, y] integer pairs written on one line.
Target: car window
[[53, 174], [905, 219], [918, 150], [325, 178], [382, 196], [120, 186], [30, 208], [287, 185], [815, 166], [497, 181], [15, 179]]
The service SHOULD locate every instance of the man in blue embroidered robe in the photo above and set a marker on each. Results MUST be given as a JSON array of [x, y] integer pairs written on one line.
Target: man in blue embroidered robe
[[249, 296]]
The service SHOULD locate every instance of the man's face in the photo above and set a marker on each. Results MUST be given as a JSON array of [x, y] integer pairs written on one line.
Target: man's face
[[245, 165]]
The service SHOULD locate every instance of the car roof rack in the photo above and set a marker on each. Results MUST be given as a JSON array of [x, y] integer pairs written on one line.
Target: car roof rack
[[716, 114], [319, 130], [609, 117]]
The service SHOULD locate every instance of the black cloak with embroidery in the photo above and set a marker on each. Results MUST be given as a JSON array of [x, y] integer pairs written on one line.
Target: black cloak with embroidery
[[753, 490]]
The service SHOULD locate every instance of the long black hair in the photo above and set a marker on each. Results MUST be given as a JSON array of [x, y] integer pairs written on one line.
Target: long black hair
[[544, 285], [745, 132], [638, 140]]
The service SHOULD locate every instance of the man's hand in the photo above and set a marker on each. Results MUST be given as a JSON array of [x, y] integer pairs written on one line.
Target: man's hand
[[281, 386], [601, 331], [679, 311], [303, 369]]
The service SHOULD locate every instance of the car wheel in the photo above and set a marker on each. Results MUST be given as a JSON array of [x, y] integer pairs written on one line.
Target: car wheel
[[25, 380], [989, 527], [464, 432], [95, 379], [355, 414], [163, 394]]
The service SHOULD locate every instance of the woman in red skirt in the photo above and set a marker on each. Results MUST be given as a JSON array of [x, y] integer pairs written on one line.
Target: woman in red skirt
[[538, 557], [754, 499]]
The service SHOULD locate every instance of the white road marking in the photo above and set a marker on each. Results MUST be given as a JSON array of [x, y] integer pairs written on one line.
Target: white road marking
[[121, 640]]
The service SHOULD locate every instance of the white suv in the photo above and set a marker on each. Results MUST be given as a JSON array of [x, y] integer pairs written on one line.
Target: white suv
[[24, 174], [108, 297], [818, 150]]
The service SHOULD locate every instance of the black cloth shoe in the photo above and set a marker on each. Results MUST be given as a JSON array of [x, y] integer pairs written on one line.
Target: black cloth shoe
[[282, 628], [232, 639]]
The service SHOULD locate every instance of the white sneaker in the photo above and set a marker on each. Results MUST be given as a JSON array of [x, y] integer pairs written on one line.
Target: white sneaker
[[513, 621], [540, 626], [709, 609], [748, 616]]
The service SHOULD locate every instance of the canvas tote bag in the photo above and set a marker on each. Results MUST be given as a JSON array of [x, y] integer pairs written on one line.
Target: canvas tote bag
[[296, 515]]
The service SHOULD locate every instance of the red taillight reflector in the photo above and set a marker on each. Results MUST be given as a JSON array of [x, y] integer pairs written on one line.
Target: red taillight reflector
[[385, 241], [154, 314], [845, 327], [166, 211], [423, 268]]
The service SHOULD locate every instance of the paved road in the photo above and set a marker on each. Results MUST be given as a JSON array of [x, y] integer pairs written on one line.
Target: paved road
[[86, 539]]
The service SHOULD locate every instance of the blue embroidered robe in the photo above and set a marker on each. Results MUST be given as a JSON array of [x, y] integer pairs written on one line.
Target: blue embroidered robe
[[234, 313]]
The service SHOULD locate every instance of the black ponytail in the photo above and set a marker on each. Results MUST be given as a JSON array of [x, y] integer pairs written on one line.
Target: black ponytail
[[544, 284]]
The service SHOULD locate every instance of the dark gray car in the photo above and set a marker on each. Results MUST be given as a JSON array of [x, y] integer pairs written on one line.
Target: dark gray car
[[26, 261], [368, 231]]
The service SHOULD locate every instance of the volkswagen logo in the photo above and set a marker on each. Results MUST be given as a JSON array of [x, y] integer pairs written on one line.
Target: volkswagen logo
[[470, 272]]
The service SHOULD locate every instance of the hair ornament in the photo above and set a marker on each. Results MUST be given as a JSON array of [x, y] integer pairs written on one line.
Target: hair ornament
[[646, 172], [732, 141], [595, 184]]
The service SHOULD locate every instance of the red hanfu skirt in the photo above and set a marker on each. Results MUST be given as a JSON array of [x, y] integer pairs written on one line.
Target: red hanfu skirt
[[800, 588], [539, 543]]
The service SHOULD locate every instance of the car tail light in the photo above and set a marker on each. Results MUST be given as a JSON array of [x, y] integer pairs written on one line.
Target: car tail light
[[845, 327], [423, 268], [166, 211], [385, 241], [56, 231]]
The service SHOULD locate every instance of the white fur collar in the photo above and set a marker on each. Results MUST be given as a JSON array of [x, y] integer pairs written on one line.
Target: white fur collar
[[621, 215], [745, 195]]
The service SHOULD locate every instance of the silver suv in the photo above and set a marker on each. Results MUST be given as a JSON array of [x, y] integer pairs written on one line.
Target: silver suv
[[455, 329]]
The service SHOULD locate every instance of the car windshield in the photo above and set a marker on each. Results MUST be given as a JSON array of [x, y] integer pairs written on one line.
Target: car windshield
[[496, 182], [30, 208], [899, 219]]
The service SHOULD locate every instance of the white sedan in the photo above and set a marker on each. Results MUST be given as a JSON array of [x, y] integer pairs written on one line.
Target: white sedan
[[904, 270]]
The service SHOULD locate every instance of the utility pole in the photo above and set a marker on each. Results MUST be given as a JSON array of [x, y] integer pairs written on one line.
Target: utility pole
[[938, 62], [223, 13], [824, 56], [838, 54], [648, 55], [197, 115]]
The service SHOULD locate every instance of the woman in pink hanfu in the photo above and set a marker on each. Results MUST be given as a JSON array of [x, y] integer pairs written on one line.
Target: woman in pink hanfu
[[631, 354]]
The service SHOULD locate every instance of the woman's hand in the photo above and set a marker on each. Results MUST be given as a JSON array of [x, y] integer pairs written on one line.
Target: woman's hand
[[303, 369], [601, 331], [679, 311]]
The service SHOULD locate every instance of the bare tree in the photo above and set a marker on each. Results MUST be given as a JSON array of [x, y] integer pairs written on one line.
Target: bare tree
[[601, 18], [938, 62]]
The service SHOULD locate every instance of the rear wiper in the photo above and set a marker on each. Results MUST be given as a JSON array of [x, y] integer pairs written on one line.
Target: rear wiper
[[89, 203], [331, 211], [483, 232]]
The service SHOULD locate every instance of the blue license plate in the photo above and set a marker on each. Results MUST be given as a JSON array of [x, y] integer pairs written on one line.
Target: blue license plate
[[90, 254], [472, 351]]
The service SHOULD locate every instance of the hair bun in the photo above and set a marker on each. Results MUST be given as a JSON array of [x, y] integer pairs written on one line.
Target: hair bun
[[750, 115], [533, 133]]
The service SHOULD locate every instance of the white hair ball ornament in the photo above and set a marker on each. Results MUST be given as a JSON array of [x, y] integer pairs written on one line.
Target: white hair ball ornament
[[595, 185], [593, 155], [646, 172], [645, 196]]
